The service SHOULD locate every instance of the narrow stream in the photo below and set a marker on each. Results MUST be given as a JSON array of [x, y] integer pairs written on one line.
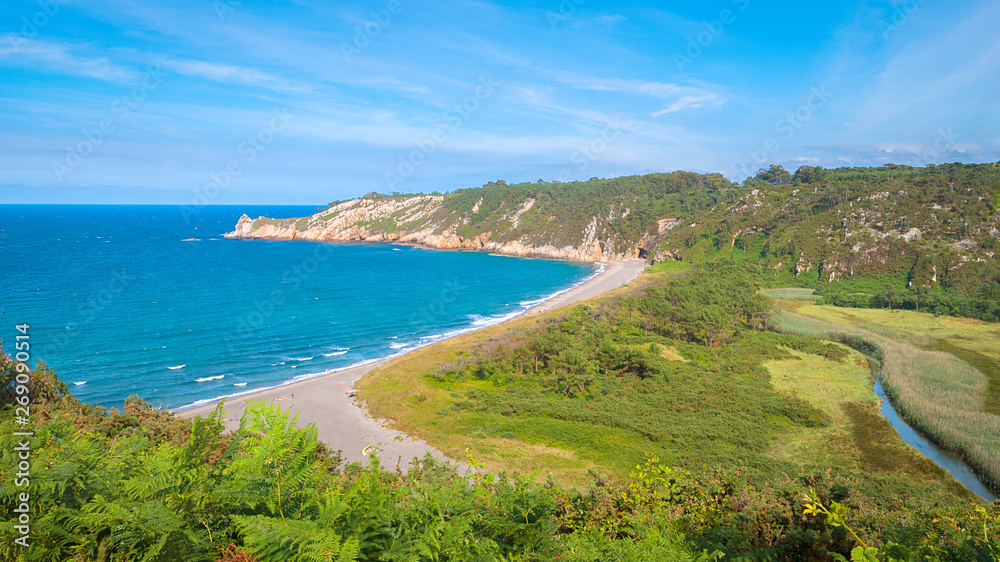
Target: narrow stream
[[942, 458]]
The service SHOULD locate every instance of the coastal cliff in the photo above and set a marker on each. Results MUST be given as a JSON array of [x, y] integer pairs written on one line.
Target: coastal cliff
[[515, 227]]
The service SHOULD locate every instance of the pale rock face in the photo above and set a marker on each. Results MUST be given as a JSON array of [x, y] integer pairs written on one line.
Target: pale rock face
[[666, 225], [243, 227], [347, 221]]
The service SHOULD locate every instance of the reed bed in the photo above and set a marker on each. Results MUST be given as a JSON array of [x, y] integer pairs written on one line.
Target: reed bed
[[935, 392]]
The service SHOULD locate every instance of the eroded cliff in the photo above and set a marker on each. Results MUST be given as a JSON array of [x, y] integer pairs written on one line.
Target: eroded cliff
[[424, 220]]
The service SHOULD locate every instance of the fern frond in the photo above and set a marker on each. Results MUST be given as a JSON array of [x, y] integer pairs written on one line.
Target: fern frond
[[295, 541]]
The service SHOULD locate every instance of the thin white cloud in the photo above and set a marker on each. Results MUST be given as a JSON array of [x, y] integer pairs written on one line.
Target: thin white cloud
[[233, 74], [688, 102], [642, 87], [682, 97], [57, 58]]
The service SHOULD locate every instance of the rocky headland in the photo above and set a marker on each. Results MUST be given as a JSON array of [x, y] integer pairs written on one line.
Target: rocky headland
[[424, 220]]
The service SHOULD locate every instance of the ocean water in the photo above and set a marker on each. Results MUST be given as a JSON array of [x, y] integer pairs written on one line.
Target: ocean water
[[119, 303]]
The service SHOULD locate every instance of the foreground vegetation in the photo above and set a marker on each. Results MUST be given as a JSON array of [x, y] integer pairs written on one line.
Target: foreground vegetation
[[141, 484], [144, 485]]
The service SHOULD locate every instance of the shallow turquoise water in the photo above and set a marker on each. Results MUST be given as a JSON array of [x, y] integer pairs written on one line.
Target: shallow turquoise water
[[120, 304]]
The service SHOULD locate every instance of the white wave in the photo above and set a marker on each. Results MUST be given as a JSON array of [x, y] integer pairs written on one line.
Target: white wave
[[295, 379], [177, 367], [398, 345], [335, 353], [81, 383], [535, 302], [478, 321], [239, 384], [298, 358], [206, 379]]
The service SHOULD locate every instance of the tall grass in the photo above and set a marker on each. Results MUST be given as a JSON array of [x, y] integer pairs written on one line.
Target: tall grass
[[935, 392]]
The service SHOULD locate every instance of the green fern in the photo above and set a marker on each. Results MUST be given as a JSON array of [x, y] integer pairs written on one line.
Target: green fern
[[275, 464], [271, 538]]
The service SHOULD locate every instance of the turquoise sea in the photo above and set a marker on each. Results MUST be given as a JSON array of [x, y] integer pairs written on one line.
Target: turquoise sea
[[119, 303]]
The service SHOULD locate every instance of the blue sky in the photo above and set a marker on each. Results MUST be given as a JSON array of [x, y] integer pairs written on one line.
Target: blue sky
[[246, 102]]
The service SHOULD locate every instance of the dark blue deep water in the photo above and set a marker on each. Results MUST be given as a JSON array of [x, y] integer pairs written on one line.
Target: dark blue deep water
[[118, 303]]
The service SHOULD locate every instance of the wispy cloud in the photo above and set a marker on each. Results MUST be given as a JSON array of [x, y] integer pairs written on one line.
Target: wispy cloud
[[558, 89], [233, 74], [57, 58], [688, 102], [928, 79], [615, 18], [628, 86], [683, 97]]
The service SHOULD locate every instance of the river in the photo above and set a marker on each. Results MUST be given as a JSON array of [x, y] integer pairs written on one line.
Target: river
[[942, 458]]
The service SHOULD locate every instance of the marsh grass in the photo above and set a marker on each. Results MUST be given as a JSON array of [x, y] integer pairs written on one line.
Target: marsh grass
[[985, 364], [935, 392], [973, 341]]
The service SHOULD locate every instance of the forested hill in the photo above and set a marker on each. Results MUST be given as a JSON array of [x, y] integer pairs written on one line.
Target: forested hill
[[930, 224], [600, 219]]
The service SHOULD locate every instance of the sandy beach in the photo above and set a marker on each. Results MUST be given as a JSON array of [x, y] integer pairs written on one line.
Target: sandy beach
[[340, 423]]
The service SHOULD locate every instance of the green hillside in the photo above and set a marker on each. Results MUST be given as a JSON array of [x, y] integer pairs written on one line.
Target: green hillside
[[929, 226], [626, 209]]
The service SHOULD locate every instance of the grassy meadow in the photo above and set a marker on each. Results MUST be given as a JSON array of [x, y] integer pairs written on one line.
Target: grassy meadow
[[792, 294]]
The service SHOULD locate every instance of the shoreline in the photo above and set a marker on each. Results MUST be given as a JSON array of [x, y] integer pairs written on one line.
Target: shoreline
[[544, 303], [342, 424], [538, 306]]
